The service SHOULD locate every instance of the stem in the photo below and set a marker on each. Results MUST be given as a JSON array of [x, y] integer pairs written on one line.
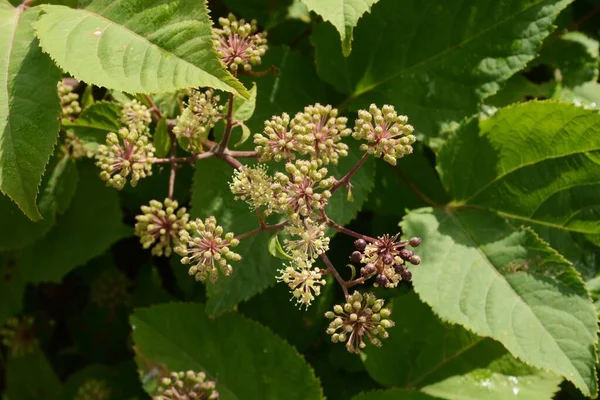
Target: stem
[[335, 274], [173, 164], [242, 154], [189, 159], [347, 231], [154, 108], [229, 160], [262, 228], [222, 146], [413, 188], [355, 282], [271, 70], [347, 177]]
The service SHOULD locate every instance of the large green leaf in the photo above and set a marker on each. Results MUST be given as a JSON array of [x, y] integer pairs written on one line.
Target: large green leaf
[[21, 370], [435, 62], [86, 230], [247, 360], [29, 108], [506, 283], [95, 122], [145, 46], [394, 394], [343, 14], [536, 162]]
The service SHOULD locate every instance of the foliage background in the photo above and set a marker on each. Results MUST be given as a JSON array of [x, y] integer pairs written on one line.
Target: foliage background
[[503, 188]]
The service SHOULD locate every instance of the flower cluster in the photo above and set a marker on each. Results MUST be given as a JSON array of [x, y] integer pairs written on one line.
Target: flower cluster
[[74, 147], [69, 104], [238, 43], [136, 116], [361, 315], [279, 140], [197, 119], [18, 335], [387, 259], [159, 225], [188, 385], [307, 241], [93, 389], [387, 133], [254, 186], [110, 289], [206, 248], [303, 280]]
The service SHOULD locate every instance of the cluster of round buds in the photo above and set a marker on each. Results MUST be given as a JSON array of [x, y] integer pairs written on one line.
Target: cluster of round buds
[[74, 147], [93, 389], [254, 186], [188, 385], [280, 140], [110, 290], [69, 103], [303, 280], [307, 241], [321, 132], [238, 43], [127, 153], [197, 119], [387, 259], [298, 196], [160, 224], [387, 133], [206, 249], [136, 116], [360, 316], [18, 335]]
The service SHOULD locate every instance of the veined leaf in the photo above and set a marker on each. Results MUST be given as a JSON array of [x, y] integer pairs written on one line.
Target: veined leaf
[[555, 183], [506, 283], [394, 394], [183, 337], [435, 61], [244, 108], [95, 122], [29, 108], [344, 15], [141, 47]]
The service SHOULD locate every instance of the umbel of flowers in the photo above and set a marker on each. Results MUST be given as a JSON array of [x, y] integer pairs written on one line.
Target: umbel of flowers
[[291, 183], [188, 385]]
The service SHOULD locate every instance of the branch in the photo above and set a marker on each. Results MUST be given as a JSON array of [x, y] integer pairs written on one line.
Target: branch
[[347, 231], [262, 228], [173, 172], [335, 274], [413, 188], [350, 173], [222, 146]]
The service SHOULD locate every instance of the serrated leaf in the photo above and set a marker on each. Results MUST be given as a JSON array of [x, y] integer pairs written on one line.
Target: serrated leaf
[[86, 230], [19, 371], [95, 122], [480, 272], [29, 108], [394, 394], [182, 337], [244, 108], [519, 89], [555, 183], [162, 142], [143, 47], [344, 15], [586, 95], [442, 62], [276, 250]]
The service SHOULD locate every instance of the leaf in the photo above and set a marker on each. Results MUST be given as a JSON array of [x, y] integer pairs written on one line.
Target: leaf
[[394, 394], [121, 379], [245, 135], [162, 143], [29, 108], [276, 250], [344, 15], [586, 95], [504, 380], [554, 183], [182, 337], [143, 47], [12, 288], [266, 13], [244, 108], [19, 382], [95, 122], [518, 89], [86, 230], [430, 349], [506, 283], [87, 99], [434, 62]]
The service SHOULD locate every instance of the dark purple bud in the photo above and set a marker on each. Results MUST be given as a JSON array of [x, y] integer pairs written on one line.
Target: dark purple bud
[[415, 241], [406, 275], [360, 244], [399, 269], [415, 260], [387, 259], [368, 270], [405, 254], [356, 256], [381, 280]]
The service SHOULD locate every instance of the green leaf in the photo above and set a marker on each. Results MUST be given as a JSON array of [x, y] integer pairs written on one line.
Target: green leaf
[[586, 95], [121, 379], [394, 394], [430, 349], [505, 379], [162, 142], [95, 122], [182, 337], [87, 99], [29, 108], [519, 89], [86, 230], [506, 283], [555, 183], [435, 63], [266, 13], [246, 133], [20, 372], [276, 250], [344, 15], [12, 288], [143, 47], [244, 108]]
